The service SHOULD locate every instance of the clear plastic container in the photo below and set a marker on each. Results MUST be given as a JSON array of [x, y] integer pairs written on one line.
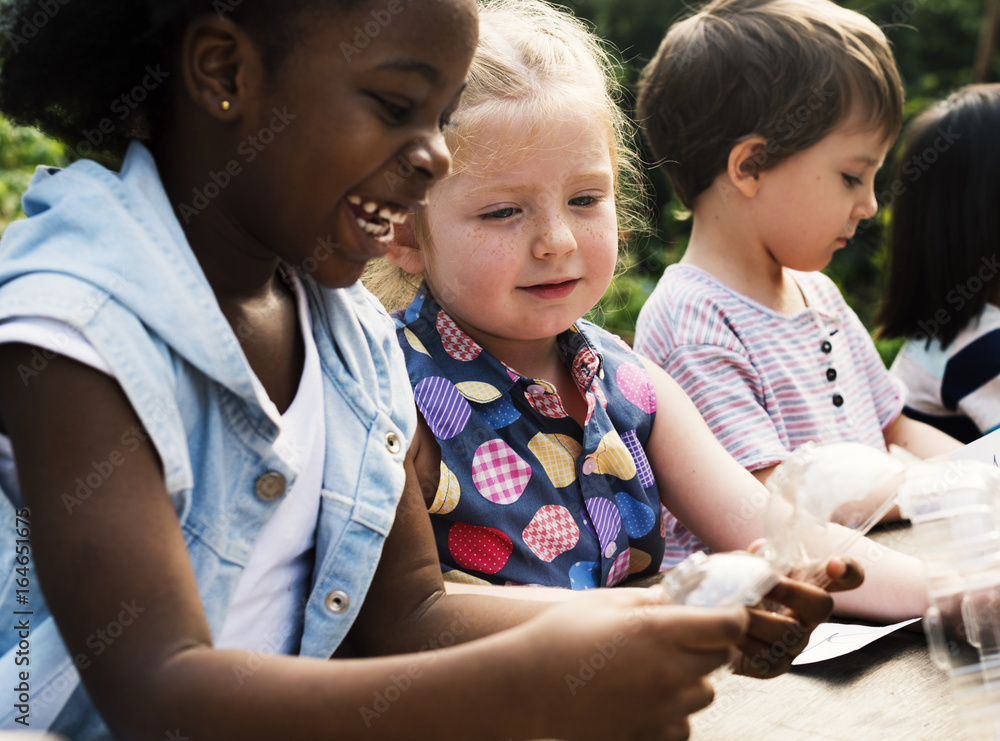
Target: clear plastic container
[[955, 511], [848, 484]]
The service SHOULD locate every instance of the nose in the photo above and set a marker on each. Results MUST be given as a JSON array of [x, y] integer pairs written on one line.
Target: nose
[[431, 156], [555, 238], [867, 207]]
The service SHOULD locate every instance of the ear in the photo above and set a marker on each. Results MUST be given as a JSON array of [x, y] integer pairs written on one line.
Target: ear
[[746, 159], [220, 64], [404, 251]]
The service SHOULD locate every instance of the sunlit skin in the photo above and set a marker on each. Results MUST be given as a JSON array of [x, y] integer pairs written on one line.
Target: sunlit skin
[[528, 242], [756, 221], [810, 204]]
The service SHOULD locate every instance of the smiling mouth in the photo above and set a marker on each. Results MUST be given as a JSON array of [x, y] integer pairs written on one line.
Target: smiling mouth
[[375, 218]]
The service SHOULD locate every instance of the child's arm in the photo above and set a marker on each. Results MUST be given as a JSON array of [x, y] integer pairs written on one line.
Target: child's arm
[[919, 438], [161, 673], [724, 506]]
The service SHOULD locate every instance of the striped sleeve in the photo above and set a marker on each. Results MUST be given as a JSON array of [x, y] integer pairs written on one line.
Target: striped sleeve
[[730, 394]]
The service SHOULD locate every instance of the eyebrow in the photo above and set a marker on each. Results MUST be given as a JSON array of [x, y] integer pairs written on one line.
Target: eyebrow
[[519, 189], [867, 160], [406, 64]]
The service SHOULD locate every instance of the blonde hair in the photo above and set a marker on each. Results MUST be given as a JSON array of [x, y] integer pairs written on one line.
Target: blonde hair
[[534, 62], [787, 70]]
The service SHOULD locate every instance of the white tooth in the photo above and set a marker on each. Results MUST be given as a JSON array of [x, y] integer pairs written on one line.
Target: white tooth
[[354, 200], [397, 218], [370, 207], [384, 212], [362, 223]]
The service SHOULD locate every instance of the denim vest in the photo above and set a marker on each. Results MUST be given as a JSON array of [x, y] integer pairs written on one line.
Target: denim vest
[[104, 253]]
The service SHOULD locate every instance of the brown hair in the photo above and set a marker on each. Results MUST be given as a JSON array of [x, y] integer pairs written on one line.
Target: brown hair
[[789, 71]]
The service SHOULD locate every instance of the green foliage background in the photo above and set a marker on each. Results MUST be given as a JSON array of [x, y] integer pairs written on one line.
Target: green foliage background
[[935, 45]]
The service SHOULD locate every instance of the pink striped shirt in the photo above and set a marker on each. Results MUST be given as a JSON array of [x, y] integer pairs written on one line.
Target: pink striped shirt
[[766, 382]]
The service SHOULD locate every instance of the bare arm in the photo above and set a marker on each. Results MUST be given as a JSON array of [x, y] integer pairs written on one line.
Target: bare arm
[[919, 438], [724, 506], [124, 544]]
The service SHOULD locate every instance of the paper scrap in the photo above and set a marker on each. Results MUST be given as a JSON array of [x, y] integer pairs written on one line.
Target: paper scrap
[[830, 640], [986, 450]]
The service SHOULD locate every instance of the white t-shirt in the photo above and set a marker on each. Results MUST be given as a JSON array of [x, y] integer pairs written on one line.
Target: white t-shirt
[[265, 611]]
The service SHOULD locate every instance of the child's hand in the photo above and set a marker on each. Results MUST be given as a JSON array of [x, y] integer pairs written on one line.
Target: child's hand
[[774, 639], [620, 665]]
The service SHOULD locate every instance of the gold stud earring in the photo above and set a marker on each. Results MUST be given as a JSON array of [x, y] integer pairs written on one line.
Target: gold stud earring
[[224, 105]]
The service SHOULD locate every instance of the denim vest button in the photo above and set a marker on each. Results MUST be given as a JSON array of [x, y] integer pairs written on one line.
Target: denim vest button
[[392, 443], [337, 601], [270, 485]]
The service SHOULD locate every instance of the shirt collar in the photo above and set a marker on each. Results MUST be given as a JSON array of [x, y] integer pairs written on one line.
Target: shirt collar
[[425, 318]]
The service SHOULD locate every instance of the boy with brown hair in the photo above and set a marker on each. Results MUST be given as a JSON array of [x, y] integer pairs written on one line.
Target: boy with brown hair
[[771, 118]]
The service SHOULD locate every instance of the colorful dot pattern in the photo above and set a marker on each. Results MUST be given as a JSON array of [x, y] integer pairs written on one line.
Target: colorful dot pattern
[[499, 473], [444, 408], [548, 405], [414, 342], [638, 561], [642, 467], [477, 548], [456, 342], [527, 496], [460, 577], [449, 492], [551, 532], [636, 386], [557, 455]]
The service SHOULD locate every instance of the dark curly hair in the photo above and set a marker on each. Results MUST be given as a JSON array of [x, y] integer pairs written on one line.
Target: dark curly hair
[[95, 73]]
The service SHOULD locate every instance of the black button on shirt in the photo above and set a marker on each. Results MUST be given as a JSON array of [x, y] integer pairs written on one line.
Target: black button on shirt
[[838, 400], [826, 346], [831, 374]]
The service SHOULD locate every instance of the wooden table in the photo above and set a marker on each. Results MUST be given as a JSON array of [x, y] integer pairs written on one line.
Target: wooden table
[[887, 691]]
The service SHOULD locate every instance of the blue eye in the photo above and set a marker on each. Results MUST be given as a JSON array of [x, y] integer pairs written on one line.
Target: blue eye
[[500, 213], [850, 180]]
